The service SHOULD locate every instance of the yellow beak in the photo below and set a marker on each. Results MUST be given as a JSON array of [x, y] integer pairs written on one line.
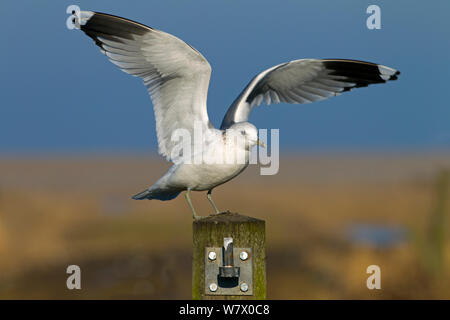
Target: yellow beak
[[260, 143]]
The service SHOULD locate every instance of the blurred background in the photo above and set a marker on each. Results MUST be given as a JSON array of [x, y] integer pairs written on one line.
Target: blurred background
[[363, 179]]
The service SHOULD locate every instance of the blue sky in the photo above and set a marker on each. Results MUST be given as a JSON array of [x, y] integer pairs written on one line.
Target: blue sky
[[60, 94]]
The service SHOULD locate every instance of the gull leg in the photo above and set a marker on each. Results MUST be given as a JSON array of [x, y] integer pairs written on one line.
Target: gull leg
[[188, 199], [211, 201]]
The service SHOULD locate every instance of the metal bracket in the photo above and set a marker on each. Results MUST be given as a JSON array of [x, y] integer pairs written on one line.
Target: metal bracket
[[228, 270]]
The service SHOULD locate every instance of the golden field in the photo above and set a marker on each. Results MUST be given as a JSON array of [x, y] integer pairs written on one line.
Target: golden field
[[61, 210]]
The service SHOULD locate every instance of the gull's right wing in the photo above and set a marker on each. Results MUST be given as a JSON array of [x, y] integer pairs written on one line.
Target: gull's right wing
[[305, 81]]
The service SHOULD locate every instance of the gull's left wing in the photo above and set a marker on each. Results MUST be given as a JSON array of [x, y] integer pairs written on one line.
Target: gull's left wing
[[305, 81], [175, 74]]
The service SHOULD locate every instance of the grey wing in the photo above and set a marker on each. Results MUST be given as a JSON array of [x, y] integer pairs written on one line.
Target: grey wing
[[175, 74], [305, 81]]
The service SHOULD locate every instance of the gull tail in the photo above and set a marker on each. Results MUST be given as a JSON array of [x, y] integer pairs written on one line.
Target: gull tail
[[162, 195]]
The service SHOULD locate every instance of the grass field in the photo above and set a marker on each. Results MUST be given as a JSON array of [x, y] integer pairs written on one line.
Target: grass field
[[328, 216]]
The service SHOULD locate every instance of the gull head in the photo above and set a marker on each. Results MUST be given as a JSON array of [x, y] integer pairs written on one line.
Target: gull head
[[246, 134]]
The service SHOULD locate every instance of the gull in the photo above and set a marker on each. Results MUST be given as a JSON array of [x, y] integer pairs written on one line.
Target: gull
[[177, 78]]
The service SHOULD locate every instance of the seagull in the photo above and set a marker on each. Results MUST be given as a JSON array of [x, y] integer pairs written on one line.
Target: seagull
[[177, 78]]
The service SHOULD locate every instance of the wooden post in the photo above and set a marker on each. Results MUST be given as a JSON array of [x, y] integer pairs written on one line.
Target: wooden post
[[246, 232]]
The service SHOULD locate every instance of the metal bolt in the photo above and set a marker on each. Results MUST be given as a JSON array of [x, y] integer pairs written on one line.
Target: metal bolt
[[243, 255], [213, 287], [244, 287], [212, 256]]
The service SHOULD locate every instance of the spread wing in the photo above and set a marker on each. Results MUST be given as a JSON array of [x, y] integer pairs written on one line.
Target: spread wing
[[175, 74], [305, 81]]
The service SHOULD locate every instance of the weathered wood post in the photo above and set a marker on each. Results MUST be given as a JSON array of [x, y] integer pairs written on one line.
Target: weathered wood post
[[229, 257]]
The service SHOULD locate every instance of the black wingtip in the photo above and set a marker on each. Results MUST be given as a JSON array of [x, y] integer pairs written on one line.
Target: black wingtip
[[394, 76]]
